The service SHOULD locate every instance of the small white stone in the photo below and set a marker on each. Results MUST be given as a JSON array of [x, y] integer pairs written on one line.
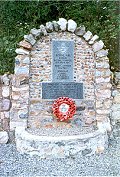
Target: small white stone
[[22, 51], [72, 25], [5, 91], [98, 46], [3, 137], [94, 38], [62, 22], [87, 36]]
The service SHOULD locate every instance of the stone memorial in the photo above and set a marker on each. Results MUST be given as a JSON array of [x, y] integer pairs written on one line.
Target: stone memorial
[[59, 60]]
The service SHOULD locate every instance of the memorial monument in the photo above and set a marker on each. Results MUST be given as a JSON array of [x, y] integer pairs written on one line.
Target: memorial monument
[[61, 60]]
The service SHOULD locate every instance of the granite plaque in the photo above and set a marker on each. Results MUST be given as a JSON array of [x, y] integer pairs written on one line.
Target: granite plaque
[[62, 60], [54, 90]]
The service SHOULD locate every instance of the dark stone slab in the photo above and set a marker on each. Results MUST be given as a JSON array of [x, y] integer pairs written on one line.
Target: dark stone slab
[[54, 90], [62, 60]]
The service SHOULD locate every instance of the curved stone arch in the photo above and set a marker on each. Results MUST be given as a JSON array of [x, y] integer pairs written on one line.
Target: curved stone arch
[[22, 63]]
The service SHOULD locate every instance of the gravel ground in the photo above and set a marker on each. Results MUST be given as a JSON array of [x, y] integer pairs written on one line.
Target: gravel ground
[[13, 163]]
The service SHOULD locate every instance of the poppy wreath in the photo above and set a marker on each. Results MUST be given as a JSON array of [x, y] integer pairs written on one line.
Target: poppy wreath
[[64, 108]]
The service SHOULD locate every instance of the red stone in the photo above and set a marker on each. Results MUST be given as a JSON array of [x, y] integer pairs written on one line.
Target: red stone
[[25, 45]]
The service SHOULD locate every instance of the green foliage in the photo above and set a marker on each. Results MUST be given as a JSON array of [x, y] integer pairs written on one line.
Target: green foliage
[[18, 17]]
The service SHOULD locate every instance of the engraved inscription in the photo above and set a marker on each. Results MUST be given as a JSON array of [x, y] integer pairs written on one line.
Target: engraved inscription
[[54, 90], [62, 60]]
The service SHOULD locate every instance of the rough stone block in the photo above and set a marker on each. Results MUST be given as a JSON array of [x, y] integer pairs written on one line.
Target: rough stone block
[[5, 79], [102, 53], [6, 104], [21, 51], [93, 39], [49, 26], [30, 38], [80, 31], [5, 91], [3, 137], [43, 30], [87, 36], [22, 70], [72, 25], [117, 99], [63, 23], [25, 45], [35, 32], [98, 46], [55, 26]]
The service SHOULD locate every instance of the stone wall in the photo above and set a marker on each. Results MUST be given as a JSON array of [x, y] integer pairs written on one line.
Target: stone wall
[[5, 101]]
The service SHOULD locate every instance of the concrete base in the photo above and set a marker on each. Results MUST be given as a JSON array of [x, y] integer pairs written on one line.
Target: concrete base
[[60, 146]]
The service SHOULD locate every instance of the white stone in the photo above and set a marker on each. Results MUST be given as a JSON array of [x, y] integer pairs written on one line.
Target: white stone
[[26, 60], [18, 89], [21, 123], [99, 104], [117, 75], [5, 79], [115, 92], [87, 36], [80, 31], [22, 70], [35, 32], [62, 22], [103, 93], [93, 39], [43, 30], [49, 26], [72, 25], [7, 114], [102, 53], [21, 51], [101, 127], [116, 107], [108, 103], [102, 111], [115, 115], [98, 46], [6, 104], [55, 26], [3, 137], [5, 91], [117, 98], [30, 38]]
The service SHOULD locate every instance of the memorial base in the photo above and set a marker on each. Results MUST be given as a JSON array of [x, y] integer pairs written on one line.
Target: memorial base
[[60, 146]]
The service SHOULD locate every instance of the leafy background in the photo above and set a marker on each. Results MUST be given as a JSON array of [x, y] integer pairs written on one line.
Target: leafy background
[[18, 17]]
